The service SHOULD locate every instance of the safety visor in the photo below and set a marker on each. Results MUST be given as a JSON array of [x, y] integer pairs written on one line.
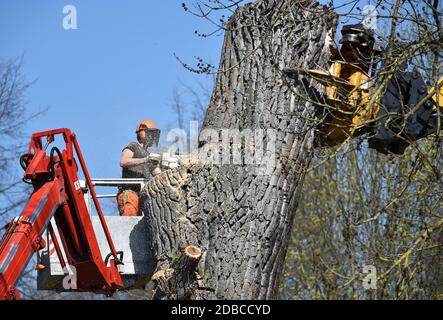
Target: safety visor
[[152, 134]]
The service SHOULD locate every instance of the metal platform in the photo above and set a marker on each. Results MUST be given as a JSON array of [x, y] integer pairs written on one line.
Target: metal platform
[[129, 235]]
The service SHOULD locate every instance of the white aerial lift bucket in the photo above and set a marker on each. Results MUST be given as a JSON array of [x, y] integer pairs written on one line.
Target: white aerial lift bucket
[[129, 235]]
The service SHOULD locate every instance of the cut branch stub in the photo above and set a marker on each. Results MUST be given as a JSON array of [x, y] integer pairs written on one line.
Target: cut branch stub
[[189, 260], [180, 281], [193, 252], [184, 278]]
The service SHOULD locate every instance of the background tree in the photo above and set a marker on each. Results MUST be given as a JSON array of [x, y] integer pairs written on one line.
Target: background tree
[[363, 208], [13, 143]]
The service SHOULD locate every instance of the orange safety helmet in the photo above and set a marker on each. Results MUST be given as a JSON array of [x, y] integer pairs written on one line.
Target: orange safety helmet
[[152, 133], [145, 124]]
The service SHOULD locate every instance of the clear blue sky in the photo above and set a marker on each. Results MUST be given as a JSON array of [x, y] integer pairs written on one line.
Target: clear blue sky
[[101, 79]]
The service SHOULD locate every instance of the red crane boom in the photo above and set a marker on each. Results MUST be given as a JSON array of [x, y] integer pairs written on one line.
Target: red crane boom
[[57, 193]]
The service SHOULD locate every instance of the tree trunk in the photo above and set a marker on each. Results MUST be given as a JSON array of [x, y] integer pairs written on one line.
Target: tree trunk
[[239, 213]]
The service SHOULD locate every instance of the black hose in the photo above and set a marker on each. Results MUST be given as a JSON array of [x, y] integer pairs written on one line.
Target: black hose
[[51, 159], [26, 181], [24, 159], [118, 259]]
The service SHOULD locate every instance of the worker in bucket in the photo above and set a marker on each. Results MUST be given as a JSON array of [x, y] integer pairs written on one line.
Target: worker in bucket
[[136, 163]]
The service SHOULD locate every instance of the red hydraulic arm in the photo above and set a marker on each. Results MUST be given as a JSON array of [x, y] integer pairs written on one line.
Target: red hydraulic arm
[[57, 193]]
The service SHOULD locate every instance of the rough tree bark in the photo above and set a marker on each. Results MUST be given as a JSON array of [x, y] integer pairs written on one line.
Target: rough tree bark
[[237, 216]]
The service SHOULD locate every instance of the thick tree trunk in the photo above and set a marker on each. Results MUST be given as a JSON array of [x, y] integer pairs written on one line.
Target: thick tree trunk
[[238, 214]]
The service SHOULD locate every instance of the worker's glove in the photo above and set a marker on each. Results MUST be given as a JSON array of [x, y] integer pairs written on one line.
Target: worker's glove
[[165, 160], [154, 158], [170, 161]]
